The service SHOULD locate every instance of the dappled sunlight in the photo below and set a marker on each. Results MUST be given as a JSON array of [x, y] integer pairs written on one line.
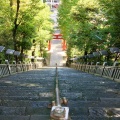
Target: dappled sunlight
[[46, 94], [62, 53], [31, 85], [101, 82], [23, 84], [109, 90], [113, 112], [8, 82], [113, 91]]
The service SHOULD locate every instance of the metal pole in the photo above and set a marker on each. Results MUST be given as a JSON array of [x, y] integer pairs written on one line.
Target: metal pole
[[57, 89], [58, 112]]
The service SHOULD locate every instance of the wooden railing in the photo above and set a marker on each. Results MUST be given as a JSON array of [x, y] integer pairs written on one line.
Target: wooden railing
[[112, 72], [8, 69]]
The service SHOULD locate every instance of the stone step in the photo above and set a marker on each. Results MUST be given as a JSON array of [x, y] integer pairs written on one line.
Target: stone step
[[36, 110], [42, 93], [14, 117], [85, 117], [89, 95], [25, 96], [47, 117], [26, 84], [98, 113], [27, 117], [24, 103], [40, 117], [12, 110], [104, 102], [33, 98], [95, 111], [91, 85], [26, 89]]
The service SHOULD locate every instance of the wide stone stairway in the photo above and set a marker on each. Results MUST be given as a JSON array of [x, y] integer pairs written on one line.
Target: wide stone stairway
[[25, 96]]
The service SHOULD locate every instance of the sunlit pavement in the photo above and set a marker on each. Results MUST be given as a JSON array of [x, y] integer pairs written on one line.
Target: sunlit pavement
[[57, 55]]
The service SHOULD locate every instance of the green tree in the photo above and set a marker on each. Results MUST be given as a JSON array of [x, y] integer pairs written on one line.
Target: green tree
[[111, 10], [24, 21], [5, 24], [81, 24]]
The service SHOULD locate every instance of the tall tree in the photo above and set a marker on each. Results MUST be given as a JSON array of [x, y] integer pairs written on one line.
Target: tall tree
[[22, 22], [112, 12]]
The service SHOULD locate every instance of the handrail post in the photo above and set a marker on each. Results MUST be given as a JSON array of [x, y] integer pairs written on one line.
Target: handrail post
[[8, 65]]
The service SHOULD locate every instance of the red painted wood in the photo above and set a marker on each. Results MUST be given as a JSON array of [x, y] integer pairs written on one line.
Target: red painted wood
[[63, 45], [49, 45], [57, 36]]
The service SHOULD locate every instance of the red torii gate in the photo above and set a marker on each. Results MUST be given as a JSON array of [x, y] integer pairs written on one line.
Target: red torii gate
[[57, 37]]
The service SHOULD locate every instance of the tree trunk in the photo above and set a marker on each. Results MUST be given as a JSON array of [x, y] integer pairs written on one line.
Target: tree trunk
[[16, 24], [21, 57], [11, 3]]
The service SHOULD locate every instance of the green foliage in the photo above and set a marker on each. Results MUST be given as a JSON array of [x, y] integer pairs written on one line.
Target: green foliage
[[90, 25], [111, 9], [5, 23], [23, 21]]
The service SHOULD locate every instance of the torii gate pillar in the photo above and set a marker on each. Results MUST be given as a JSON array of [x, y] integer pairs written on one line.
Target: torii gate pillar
[[49, 45], [63, 44], [57, 37]]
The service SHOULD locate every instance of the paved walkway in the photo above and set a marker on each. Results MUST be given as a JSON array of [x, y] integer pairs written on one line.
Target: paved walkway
[[57, 54], [25, 96]]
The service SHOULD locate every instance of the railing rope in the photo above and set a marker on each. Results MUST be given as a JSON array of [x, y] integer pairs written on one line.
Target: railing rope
[[57, 89], [58, 112]]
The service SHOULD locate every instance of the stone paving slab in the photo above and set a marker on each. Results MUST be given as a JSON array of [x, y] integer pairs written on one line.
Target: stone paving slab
[[78, 111], [12, 110], [24, 103], [40, 117], [37, 111], [94, 103], [104, 112], [14, 117], [72, 103], [83, 117], [20, 97], [28, 89], [72, 95]]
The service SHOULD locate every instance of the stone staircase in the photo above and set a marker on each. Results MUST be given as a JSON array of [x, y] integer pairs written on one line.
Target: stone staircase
[[90, 97], [25, 96]]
